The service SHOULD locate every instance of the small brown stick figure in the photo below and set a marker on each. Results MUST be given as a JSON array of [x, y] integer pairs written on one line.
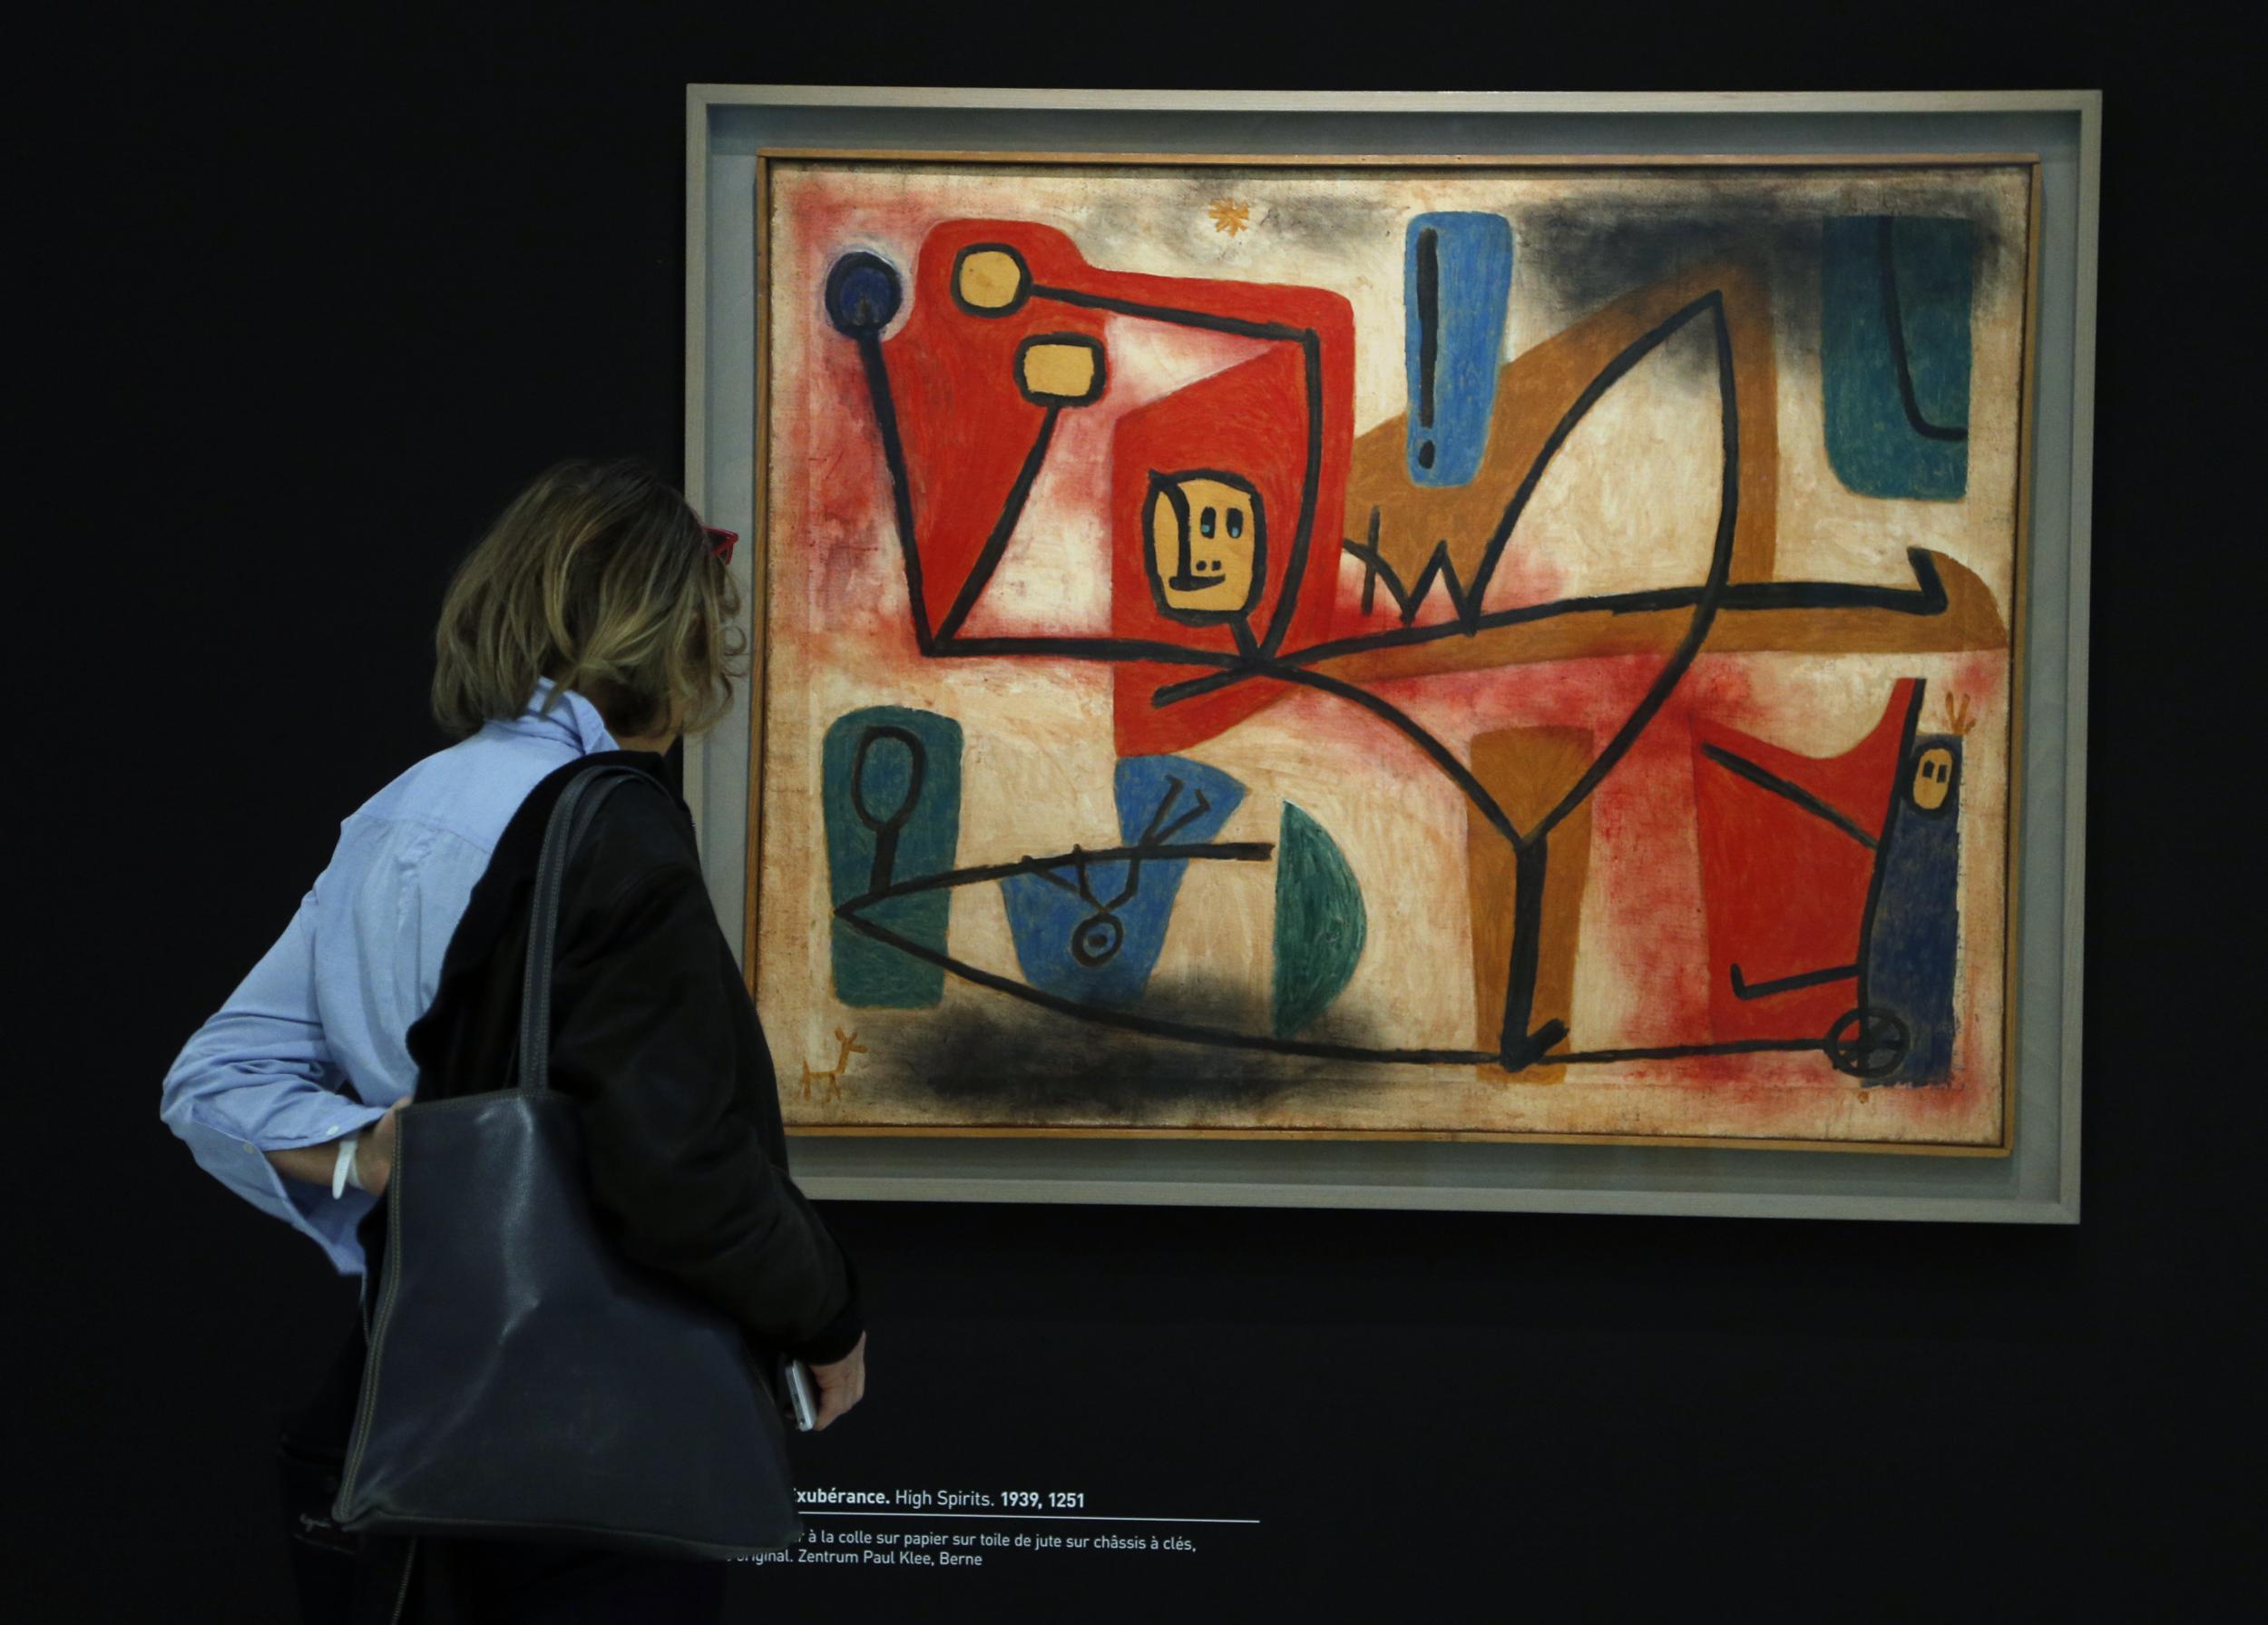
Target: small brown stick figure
[[833, 1076]]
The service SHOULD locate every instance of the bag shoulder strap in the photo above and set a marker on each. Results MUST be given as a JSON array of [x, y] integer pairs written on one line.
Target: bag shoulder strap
[[572, 817]]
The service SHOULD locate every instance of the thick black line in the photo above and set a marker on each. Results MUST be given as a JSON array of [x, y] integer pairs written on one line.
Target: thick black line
[[1370, 576], [1678, 1051], [1926, 597], [1155, 1027], [1704, 607], [945, 879], [1894, 320], [1429, 318], [1531, 864], [850, 914], [1166, 313], [1890, 822], [1310, 491], [1795, 793], [1442, 757], [1608, 376], [988, 557], [901, 486], [1121, 650], [1744, 989], [885, 831]]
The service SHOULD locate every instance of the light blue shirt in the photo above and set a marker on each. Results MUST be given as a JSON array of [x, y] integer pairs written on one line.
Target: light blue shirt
[[314, 1044]]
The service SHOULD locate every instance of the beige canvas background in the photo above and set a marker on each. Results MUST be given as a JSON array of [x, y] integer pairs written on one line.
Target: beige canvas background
[[1628, 503]]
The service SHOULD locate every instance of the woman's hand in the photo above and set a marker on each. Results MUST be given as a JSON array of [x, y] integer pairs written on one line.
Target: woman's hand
[[841, 1385]]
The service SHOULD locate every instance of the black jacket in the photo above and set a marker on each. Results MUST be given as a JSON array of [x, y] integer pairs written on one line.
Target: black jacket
[[655, 1036]]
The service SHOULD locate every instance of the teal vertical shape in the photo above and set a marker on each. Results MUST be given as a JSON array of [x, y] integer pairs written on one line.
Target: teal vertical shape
[[890, 777], [1320, 922], [1895, 301]]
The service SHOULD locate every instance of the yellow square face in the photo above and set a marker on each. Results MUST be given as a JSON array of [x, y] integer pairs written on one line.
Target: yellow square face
[[1205, 544]]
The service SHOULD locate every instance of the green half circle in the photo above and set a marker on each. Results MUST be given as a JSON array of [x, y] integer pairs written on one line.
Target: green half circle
[[1320, 922]]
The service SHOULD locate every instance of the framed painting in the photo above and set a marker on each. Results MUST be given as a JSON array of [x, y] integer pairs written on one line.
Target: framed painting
[[1357, 651]]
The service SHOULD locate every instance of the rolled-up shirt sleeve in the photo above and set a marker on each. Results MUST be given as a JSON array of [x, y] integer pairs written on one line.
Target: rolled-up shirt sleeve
[[647, 1044], [259, 1077]]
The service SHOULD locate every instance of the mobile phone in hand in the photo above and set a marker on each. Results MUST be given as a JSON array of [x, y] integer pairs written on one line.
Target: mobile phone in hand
[[802, 1396]]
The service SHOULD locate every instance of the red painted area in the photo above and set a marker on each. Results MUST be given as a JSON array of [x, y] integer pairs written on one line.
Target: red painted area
[[1249, 421], [965, 427], [966, 430], [1785, 890]]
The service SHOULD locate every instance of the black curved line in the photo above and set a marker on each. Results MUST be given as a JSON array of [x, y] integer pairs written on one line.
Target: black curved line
[[1157, 1027], [945, 879], [900, 486], [1926, 597], [1121, 650], [1894, 320], [1704, 607], [1403, 722], [1229, 1039], [988, 557], [1609, 376], [1310, 494]]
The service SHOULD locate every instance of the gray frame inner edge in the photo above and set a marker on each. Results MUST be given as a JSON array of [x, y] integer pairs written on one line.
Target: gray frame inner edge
[[2037, 1182]]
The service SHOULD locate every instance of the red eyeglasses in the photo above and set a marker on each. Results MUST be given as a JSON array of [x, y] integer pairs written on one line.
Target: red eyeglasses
[[721, 543]]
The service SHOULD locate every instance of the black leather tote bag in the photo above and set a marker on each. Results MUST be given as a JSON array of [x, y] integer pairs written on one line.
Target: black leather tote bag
[[523, 1378]]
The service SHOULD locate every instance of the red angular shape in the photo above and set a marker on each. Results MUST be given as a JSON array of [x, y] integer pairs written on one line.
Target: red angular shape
[[1785, 884]]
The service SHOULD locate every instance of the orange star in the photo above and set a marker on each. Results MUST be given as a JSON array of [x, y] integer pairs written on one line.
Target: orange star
[[1230, 217]]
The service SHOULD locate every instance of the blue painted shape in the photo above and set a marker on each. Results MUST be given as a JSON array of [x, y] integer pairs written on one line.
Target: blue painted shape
[[1916, 931], [863, 293], [1456, 282], [1895, 296], [1320, 922], [1100, 947], [890, 797]]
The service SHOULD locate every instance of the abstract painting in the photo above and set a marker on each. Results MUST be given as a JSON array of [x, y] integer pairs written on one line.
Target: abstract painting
[[1378, 648]]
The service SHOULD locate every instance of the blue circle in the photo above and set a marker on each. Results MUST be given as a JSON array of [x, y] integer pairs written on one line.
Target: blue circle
[[863, 293]]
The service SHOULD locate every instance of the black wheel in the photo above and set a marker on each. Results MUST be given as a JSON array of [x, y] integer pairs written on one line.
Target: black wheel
[[1868, 1042]]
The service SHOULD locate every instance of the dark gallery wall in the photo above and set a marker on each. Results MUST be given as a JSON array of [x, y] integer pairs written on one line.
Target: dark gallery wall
[[322, 287]]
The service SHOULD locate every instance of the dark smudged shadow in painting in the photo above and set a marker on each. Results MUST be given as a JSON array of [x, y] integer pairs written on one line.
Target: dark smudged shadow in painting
[[1009, 1062]]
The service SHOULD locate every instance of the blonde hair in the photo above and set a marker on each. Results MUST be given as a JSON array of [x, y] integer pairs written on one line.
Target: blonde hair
[[601, 578]]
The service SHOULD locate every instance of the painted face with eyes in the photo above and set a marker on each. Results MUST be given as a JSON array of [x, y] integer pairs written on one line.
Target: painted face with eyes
[[1933, 777], [1205, 546]]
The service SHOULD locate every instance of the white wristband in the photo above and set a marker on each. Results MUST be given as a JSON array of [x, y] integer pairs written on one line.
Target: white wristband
[[342, 1169]]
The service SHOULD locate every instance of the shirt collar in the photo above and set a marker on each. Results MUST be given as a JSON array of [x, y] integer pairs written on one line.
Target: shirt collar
[[572, 720]]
